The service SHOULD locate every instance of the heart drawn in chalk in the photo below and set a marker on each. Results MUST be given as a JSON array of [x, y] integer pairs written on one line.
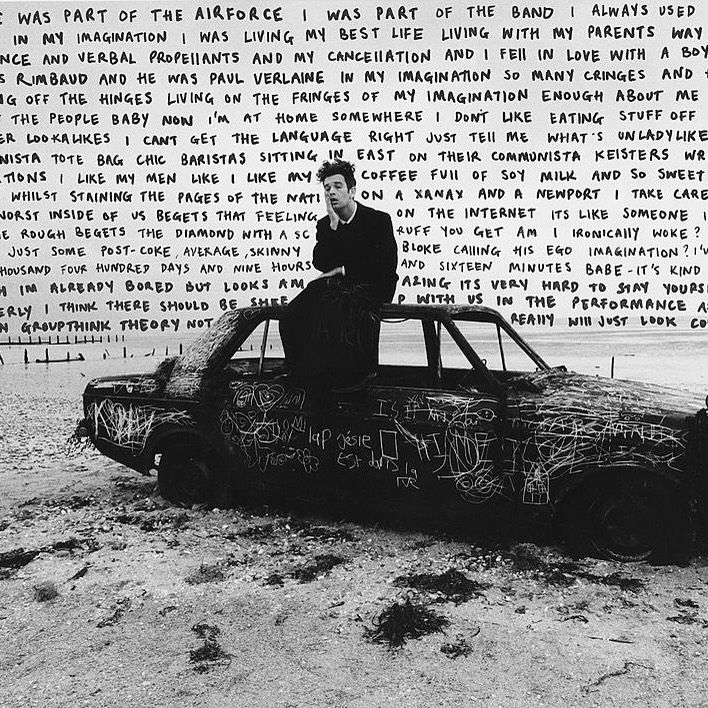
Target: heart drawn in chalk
[[267, 395]]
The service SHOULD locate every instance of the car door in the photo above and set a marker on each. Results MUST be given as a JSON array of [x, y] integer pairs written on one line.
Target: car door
[[276, 428], [511, 362], [406, 437]]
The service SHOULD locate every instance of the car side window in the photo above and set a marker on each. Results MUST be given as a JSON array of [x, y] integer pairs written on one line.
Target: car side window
[[262, 350], [497, 350], [403, 360], [401, 343]]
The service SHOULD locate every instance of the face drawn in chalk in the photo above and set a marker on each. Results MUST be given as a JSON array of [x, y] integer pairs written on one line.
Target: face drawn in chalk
[[478, 486], [265, 396], [259, 422], [470, 461], [130, 426]]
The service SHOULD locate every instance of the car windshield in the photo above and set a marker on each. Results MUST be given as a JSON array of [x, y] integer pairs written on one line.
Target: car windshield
[[202, 351], [493, 344]]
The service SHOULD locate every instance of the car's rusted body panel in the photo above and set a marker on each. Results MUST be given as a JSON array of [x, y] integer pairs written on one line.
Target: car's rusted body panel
[[526, 438]]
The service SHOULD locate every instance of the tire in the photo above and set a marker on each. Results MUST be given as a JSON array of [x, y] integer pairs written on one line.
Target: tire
[[190, 473], [629, 516]]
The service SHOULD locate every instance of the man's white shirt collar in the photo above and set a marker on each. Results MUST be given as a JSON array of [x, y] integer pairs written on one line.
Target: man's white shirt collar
[[349, 220]]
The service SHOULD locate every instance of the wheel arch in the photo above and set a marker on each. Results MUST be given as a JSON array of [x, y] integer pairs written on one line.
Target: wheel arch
[[167, 435], [572, 482]]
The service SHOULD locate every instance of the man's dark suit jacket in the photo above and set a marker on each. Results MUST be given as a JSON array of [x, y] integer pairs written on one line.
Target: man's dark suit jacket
[[366, 247]]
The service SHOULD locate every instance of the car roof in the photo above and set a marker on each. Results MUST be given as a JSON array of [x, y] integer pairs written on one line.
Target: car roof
[[387, 310], [215, 338]]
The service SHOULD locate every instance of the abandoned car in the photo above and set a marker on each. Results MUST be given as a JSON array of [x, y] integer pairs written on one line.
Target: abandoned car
[[461, 414]]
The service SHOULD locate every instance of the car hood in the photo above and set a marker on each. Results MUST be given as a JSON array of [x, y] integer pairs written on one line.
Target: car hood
[[125, 384], [566, 391]]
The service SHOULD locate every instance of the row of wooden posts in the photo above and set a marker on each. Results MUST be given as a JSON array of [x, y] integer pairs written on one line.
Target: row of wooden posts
[[80, 356], [77, 340]]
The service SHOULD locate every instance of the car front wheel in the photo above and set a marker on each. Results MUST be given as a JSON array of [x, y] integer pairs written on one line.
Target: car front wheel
[[189, 473], [629, 516]]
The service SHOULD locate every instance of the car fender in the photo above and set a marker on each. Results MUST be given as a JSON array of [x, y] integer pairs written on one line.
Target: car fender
[[163, 435], [573, 481], [167, 434]]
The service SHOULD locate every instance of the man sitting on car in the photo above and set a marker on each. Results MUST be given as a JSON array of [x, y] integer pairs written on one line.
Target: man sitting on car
[[330, 330]]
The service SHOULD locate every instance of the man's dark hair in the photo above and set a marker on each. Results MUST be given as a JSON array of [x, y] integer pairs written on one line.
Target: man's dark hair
[[338, 167]]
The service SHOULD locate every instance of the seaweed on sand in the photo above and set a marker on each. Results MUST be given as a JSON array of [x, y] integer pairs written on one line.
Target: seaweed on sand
[[528, 557], [45, 591], [17, 558], [616, 580], [319, 566], [122, 605], [686, 617], [460, 647], [452, 584], [259, 532], [211, 652], [275, 579], [402, 621], [206, 574]]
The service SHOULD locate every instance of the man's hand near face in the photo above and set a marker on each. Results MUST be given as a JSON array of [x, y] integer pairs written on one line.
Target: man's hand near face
[[335, 271], [333, 217]]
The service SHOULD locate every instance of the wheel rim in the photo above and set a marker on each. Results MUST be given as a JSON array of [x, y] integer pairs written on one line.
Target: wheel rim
[[623, 523], [191, 475]]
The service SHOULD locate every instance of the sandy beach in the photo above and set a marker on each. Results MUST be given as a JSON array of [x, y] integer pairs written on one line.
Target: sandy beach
[[112, 597]]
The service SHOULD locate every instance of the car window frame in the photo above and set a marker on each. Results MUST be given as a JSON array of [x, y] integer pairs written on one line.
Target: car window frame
[[491, 382], [474, 359], [254, 316], [432, 326]]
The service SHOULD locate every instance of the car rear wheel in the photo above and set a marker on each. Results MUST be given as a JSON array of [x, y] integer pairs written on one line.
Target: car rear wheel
[[190, 473], [629, 516]]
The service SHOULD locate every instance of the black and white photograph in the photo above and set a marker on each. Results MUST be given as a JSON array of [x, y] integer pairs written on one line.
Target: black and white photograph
[[353, 354]]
